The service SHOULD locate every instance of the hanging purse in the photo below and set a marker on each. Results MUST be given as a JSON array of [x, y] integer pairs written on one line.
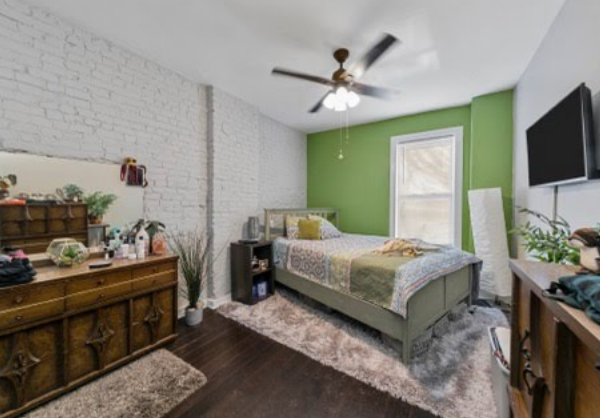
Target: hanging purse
[[132, 173]]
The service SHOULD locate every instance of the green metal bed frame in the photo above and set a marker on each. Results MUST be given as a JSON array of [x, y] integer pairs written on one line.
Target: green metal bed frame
[[424, 309]]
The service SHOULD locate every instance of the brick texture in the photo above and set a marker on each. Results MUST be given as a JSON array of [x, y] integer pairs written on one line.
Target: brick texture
[[255, 163], [64, 92], [213, 159]]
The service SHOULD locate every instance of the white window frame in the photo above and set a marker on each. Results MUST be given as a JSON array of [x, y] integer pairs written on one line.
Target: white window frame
[[457, 134]]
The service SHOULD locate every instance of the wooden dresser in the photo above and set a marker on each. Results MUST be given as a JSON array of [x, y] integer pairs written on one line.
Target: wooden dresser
[[33, 227], [555, 352], [72, 325]]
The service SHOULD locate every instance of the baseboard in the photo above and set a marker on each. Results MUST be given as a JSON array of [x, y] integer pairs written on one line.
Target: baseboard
[[209, 303], [214, 303]]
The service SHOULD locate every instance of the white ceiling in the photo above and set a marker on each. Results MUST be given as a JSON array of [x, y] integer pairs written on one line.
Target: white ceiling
[[452, 50]]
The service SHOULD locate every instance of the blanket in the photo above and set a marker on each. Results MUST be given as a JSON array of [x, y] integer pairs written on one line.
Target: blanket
[[352, 264]]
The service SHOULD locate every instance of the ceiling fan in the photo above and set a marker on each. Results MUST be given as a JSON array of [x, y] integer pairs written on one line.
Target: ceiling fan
[[344, 88]]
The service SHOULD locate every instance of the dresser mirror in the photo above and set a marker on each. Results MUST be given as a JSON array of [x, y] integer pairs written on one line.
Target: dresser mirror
[[43, 178]]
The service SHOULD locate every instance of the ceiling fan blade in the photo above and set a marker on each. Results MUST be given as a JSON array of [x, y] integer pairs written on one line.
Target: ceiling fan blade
[[378, 92], [302, 76], [319, 104], [359, 68]]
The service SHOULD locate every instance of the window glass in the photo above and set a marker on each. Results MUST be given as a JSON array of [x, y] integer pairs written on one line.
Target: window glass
[[425, 190]]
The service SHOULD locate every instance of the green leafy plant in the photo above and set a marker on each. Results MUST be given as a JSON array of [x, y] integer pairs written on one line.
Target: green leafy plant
[[193, 249], [69, 256], [153, 227], [73, 192], [98, 203], [549, 242]]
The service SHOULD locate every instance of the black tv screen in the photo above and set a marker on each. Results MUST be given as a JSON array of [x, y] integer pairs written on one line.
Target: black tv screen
[[560, 146]]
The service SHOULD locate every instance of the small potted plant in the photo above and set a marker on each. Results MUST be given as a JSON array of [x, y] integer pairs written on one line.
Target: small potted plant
[[98, 204], [193, 251], [72, 193]]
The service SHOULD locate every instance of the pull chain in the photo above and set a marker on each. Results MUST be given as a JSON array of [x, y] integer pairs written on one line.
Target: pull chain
[[341, 154], [348, 126]]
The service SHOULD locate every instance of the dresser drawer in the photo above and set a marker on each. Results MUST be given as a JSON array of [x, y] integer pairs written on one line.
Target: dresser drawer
[[154, 269], [153, 281], [92, 297], [20, 316], [98, 281], [22, 296]]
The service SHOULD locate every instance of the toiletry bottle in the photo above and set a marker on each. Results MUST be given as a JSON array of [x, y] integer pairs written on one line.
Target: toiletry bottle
[[140, 247], [143, 234]]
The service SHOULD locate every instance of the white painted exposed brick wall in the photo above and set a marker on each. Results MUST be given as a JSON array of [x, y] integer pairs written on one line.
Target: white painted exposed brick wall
[[282, 170], [255, 163], [233, 174], [65, 92]]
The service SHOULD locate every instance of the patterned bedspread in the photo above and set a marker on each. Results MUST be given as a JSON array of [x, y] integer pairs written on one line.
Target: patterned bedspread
[[348, 264]]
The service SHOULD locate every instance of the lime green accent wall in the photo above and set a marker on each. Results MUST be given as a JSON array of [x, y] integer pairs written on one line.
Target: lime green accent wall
[[492, 147], [359, 185]]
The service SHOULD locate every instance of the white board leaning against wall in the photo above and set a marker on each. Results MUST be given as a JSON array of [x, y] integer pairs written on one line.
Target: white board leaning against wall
[[38, 174], [491, 243]]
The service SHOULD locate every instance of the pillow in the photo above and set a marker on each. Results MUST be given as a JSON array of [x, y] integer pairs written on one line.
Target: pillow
[[328, 230], [291, 226], [309, 229]]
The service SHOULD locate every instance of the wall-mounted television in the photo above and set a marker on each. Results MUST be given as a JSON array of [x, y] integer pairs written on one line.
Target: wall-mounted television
[[561, 145]]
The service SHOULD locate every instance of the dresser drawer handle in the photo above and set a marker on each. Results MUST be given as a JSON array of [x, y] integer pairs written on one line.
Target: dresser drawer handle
[[101, 297], [18, 300], [100, 282], [155, 270], [19, 318]]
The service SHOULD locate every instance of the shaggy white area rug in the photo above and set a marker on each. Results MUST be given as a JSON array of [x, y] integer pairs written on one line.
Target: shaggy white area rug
[[451, 378], [147, 388]]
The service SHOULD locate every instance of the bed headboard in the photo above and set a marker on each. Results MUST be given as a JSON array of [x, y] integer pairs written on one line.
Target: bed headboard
[[275, 219]]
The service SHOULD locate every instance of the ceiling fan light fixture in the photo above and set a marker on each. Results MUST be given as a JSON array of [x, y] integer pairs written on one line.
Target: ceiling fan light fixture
[[353, 99], [340, 106], [342, 94], [330, 101]]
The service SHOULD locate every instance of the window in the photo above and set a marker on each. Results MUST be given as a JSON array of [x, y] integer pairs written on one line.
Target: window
[[426, 192]]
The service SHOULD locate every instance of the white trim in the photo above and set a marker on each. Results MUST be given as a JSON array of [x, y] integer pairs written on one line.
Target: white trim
[[457, 134], [214, 303]]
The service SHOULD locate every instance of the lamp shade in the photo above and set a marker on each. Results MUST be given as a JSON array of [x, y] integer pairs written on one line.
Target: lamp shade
[[353, 99], [329, 101]]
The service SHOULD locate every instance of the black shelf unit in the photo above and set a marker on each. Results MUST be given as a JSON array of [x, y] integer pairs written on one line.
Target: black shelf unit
[[242, 275]]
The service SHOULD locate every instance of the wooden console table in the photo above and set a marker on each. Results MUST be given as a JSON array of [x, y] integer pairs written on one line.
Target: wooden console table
[[72, 325], [555, 351]]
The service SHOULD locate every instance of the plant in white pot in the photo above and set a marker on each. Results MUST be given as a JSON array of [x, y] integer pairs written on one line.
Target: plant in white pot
[[193, 249]]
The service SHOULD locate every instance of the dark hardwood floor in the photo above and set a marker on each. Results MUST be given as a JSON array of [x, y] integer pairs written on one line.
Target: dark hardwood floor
[[252, 376]]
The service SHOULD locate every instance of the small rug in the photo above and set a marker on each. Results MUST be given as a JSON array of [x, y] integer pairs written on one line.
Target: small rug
[[147, 388], [450, 378]]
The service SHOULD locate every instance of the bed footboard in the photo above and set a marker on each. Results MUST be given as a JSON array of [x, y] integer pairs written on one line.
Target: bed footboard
[[425, 308]]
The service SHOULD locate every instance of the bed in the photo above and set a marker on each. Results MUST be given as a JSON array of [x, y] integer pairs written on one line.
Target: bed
[[401, 297]]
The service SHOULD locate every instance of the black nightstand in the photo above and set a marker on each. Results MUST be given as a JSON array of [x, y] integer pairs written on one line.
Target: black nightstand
[[246, 282]]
